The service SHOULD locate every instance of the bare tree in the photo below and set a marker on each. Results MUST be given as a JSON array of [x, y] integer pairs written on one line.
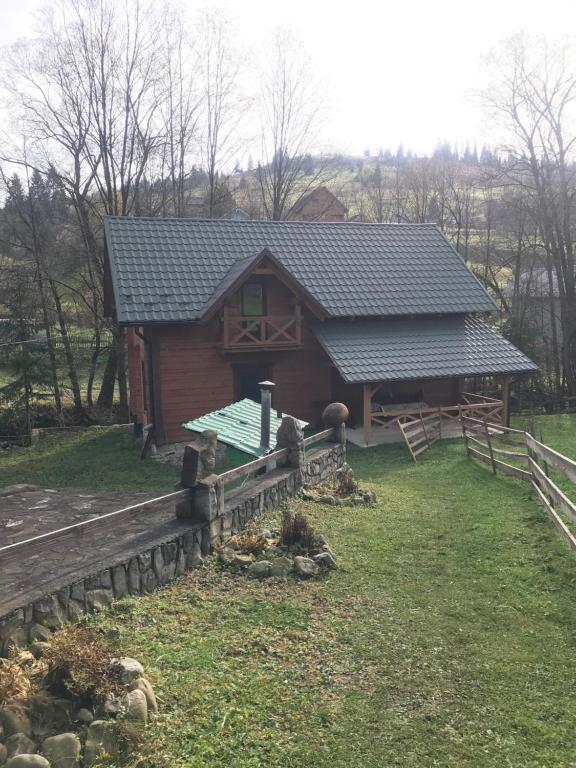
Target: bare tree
[[292, 111], [533, 95], [222, 102]]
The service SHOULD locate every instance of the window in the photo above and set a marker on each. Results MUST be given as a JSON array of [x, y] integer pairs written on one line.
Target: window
[[253, 298], [247, 379]]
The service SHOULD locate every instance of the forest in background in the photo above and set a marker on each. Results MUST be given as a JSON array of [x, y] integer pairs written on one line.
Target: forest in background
[[136, 110]]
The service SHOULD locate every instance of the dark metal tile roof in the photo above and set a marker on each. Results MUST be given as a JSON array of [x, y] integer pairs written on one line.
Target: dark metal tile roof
[[166, 270], [420, 348]]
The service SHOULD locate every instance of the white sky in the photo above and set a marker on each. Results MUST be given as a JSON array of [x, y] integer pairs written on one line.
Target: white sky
[[396, 72]]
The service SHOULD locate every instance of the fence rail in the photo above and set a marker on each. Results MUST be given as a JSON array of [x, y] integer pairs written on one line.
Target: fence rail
[[481, 434]]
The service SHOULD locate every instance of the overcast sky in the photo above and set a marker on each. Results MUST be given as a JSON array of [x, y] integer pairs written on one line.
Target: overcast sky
[[396, 71]]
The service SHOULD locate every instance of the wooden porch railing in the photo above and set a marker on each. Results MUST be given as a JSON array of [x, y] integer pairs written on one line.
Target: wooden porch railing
[[475, 406], [241, 332]]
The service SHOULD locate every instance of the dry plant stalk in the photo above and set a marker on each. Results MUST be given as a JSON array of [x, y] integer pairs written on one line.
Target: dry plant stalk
[[296, 530], [81, 659]]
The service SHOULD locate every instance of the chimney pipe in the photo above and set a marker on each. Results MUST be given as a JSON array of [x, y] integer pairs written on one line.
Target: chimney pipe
[[266, 400]]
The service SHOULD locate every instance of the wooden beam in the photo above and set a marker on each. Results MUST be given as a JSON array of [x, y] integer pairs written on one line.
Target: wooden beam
[[505, 397], [367, 413]]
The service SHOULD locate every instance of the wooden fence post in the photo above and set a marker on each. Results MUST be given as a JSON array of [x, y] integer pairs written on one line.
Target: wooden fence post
[[489, 441]]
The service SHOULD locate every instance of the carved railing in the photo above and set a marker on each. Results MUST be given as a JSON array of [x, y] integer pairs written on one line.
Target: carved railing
[[241, 332]]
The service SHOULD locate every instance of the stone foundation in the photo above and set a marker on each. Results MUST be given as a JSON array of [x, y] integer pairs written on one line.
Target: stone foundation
[[142, 572]]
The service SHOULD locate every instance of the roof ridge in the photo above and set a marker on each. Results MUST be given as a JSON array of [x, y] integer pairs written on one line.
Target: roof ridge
[[248, 222]]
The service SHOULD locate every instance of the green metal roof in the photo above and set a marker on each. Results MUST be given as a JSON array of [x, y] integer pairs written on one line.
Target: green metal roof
[[169, 270], [419, 348], [238, 425]]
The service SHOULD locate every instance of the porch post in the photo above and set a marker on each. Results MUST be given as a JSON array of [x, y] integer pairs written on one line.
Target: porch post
[[367, 413], [505, 395]]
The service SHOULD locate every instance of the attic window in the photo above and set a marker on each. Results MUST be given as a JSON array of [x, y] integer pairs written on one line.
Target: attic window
[[253, 297]]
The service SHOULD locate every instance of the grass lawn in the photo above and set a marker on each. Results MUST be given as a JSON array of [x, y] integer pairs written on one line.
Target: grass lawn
[[97, 459], [447, 638]]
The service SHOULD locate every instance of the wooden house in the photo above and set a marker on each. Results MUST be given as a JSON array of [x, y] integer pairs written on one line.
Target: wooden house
[[319, 204], [384, 317]]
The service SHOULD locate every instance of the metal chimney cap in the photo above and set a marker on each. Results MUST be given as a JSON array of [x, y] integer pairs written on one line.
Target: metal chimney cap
[[266, 384]]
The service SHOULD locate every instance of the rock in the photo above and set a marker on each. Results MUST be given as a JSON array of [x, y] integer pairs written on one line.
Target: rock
[[27, 761], [259, 570], [240, 560], [130, 669], [19, 744], [3, 754], [326, 499], [39, 632], [63, 751], [305, 567], [101, 740], [112, 705], [142, 684], [14, 721], [281, 567], [335, 414], [49, 612], [38, 649], [326, 559], [98, 599], [137, 706], [84, 716]]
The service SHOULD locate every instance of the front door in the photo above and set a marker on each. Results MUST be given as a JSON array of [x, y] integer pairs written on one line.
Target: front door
[[246, 380]]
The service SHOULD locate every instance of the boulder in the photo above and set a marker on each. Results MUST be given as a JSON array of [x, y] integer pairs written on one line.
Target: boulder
[[3, 754], [14, 721], [326, 559], [27, 761], [19, 744], [259, 570], [137, 706], [63, 751], [241, 560], [101, 740], [84, 716], [39, 648], [39, 632], [305, 567], [142, 684], [129, 669], [281, 567]]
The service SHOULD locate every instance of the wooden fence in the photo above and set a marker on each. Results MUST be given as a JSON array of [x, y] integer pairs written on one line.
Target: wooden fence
[[266, 463], [420, 433], [497, 446]]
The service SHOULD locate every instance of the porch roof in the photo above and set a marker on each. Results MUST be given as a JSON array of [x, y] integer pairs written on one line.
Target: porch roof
[[419, 348]]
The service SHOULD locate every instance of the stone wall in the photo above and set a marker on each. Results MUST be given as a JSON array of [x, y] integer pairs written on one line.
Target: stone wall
[[142, 572]]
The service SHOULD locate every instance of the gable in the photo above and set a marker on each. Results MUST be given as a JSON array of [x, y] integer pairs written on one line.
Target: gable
[[168, 270], [264, 265]]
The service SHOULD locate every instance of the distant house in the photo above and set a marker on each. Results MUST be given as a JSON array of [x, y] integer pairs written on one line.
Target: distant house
[[384, 317], [318, 205]]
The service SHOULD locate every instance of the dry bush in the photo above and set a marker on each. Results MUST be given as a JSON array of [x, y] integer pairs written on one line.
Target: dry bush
[[296, 530], [251, 542], [20, 677], [80, 660]]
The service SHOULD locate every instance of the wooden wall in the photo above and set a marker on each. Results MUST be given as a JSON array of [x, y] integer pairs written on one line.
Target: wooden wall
[[193, 376]]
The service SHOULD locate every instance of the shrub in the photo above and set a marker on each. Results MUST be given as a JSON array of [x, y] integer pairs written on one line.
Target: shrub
[[296, 530], [80, 660]]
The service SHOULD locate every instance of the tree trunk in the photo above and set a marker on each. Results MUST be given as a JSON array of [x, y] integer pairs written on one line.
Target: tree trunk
[[72, 372]]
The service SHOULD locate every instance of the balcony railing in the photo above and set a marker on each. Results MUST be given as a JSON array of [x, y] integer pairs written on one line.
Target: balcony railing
[[242, 332]]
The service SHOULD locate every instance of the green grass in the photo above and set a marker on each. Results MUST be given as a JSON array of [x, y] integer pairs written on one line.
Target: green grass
[[96, 459], [447, 637]]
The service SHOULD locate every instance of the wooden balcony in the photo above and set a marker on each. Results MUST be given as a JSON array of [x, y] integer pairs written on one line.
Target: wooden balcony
[[243, 333]]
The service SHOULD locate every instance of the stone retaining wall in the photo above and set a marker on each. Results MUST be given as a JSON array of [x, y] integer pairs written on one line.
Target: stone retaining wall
[[143, 572]]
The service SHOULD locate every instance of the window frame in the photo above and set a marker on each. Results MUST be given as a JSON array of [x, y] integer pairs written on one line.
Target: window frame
[[262, 286]]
